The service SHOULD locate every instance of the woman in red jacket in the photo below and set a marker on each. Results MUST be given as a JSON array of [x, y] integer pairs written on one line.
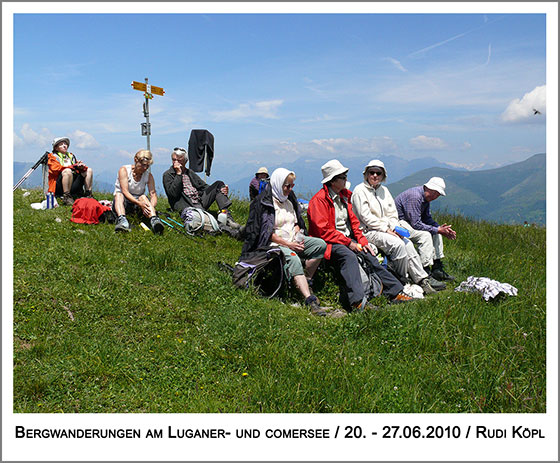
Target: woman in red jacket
[[332, 219]]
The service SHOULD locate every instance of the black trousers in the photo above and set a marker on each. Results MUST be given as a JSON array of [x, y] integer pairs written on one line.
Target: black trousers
[[77, 187], [213, 193], [352, 293]]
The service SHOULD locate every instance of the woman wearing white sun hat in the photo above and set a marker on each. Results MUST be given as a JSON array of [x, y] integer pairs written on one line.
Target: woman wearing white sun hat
[[375, 208]]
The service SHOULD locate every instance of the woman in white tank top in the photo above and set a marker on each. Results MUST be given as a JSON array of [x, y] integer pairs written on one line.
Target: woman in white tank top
[[130, 189]]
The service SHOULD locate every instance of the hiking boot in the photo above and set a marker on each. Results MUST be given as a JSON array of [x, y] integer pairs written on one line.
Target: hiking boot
[[439, 273], [436, 284], [336, 313], [400, 298], [363, 306], [313, 303], [88, 194], [426, 286], [233, 232], [67, 199], [157, 225], [230, 222], [122, 224]]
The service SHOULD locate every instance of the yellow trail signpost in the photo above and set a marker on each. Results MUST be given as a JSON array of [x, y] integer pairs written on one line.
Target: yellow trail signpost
[[149, 92]]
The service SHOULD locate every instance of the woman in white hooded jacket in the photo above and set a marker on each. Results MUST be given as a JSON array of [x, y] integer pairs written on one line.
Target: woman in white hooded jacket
[[375, 208]]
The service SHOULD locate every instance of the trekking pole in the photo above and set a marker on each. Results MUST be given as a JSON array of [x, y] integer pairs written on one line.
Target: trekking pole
[[174, 221], [167, 223], [183, 232], [42, 160]]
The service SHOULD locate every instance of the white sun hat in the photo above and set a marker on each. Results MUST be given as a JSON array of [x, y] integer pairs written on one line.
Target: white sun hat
[[331, 169], [56, 141], [376, 163], [436, 184]]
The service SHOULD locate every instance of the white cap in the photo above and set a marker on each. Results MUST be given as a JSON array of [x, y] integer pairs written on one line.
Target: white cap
[[332, 169], [56, 141], [436, 184]]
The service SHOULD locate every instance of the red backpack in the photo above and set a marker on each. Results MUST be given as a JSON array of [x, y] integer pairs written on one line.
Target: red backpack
[[87, 210]]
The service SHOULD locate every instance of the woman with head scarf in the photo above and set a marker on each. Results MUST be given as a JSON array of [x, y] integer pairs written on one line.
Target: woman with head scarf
[[275, 220]]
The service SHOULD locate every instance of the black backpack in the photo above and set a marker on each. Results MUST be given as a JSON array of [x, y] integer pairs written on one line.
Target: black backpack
[[262, 269]]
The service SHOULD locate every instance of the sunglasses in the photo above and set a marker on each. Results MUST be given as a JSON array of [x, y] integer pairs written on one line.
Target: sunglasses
[[291, 185], [340, 177], [375, 172]]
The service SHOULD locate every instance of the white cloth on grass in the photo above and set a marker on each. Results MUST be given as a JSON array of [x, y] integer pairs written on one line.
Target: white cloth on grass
[[485, 286]]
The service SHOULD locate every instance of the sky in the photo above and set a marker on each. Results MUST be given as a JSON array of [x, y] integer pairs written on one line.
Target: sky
[[460, 88]]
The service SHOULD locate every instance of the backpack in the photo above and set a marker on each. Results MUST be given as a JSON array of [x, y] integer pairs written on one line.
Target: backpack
[[88, 210], [199, 221], [373, 286], [263, 183], [262, 269]]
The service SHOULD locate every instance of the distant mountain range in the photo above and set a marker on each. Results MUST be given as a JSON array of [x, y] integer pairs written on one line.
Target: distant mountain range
[[308, 172], [511, 194]]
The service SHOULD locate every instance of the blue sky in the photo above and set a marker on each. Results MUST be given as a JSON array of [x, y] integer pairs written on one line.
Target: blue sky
[[270, 87]]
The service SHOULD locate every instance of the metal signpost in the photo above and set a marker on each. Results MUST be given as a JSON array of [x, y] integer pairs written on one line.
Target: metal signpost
[[148, 90]]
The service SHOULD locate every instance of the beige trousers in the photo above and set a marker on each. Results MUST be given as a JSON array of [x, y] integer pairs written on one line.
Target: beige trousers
[[405, 259], [429, 246]]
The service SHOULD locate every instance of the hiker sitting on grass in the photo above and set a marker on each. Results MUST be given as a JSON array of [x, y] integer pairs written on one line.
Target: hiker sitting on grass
[[129, 194], [258, 183], [332, 219], [275, 220], [375, 208], [68, 177], [413, 207], [186, 189]]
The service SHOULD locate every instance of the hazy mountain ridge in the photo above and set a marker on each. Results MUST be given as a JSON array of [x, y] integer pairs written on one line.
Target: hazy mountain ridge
[[512, 194]]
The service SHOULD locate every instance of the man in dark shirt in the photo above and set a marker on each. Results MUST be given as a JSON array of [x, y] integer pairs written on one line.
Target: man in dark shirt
[[413, 207], [184, 188]]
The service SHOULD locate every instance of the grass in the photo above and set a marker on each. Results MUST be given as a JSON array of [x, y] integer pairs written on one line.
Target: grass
[[149, 324]]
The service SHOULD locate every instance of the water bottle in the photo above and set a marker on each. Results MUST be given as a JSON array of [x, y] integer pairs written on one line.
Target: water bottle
[[222, 217], [50, 200]]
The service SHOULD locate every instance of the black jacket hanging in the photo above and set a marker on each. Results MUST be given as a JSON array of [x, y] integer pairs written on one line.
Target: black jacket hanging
[[199, 140]]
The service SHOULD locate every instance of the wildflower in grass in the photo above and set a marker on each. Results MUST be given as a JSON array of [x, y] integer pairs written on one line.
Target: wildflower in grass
[[395, 388], [245, 374]]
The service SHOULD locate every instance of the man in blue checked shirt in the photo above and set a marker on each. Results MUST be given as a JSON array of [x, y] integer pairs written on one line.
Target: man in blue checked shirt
[[413, 207]]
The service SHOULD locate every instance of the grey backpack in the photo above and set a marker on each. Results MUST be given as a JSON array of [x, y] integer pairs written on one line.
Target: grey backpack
[[198, 221], [373, 285]]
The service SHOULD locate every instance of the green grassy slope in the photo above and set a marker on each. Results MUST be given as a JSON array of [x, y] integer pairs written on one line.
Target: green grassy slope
[[143, 323]]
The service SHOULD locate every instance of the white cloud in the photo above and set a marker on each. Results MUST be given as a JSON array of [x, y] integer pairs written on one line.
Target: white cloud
[[83, 140], [466, 146], [29, 136], [521, 110], [344, 147], [18, 141], [421, 142], [260, 109], [397, 64]]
